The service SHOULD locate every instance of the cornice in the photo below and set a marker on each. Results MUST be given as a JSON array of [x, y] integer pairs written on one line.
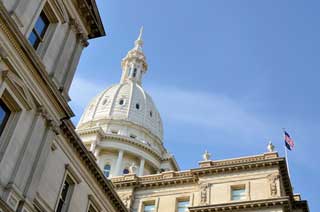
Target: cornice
[[125, 139], [121, 122], [302, 204], [216, 167], [245, 205], [156, 180], [90, 15], [89, 161]]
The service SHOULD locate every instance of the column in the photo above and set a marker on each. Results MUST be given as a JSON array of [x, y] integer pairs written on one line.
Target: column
[[118, 164], [141, 167]]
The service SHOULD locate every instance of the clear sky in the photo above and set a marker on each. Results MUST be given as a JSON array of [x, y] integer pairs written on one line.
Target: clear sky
[[226, 76]]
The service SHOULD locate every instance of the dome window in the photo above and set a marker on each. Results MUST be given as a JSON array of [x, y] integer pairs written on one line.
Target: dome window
[[133, 136], [125, 171], [115, 132], [121, 102], [106, 170], [105, 101], [134, 72], [137, 106]]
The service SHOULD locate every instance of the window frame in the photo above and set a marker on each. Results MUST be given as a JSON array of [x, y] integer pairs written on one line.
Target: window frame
[[40, 36], [72, 183], [242, 196], [182, 199], [149, 204], [104, 170], [8, 113]]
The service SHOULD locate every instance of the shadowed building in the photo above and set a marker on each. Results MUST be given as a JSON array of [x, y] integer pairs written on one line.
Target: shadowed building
[[43, 164]]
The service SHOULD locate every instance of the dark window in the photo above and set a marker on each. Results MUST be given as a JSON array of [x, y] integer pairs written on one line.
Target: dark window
[[150, 113], [133, 136], [121, 102], [125, 171], [137, 106], [106, 170], [65, 195], [4, 115], [134, 72], [37, 34]]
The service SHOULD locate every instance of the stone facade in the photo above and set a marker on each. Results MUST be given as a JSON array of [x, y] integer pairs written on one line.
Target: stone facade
[[209, 188], [43, 164]]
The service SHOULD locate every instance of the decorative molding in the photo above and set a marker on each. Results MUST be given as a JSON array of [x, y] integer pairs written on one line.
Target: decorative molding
[[204, 193], [90, 15], [273, 184], [245, 205], [88, 159], [73, 173]]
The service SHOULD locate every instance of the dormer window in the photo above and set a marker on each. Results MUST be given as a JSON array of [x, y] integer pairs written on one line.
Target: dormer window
[[39, 30]]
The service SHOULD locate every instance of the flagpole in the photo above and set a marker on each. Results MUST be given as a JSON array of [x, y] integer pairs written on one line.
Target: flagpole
[[287, 161]]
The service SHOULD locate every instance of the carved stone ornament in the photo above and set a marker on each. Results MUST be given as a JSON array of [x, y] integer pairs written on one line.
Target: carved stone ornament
[[127, 199], [206, 156], [270, 147], [204, 194], [132, 168], [273, 184]]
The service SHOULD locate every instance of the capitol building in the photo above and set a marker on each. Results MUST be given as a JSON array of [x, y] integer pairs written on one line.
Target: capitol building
[[114, 160], [122, 127]]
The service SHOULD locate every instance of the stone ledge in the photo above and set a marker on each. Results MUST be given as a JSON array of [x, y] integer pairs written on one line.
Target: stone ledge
[[253, 205]]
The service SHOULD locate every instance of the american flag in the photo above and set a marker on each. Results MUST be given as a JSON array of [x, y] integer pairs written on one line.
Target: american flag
[[288, 141]]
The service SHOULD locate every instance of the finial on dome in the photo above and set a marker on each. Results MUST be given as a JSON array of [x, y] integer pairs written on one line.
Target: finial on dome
[[140, 34], [139, 42]]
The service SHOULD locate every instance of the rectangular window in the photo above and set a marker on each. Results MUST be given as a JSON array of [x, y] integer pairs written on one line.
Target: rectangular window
[[4, 115], [182, 206], [238, 192], [149, 207], [37, 34], [65, 195], [92, 209]]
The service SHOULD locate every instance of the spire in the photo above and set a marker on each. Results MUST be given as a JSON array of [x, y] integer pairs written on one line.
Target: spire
[[134, 64], [139, 42]]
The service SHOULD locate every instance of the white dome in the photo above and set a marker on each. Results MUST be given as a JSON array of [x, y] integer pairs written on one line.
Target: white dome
[[128, 102], [122, 127]]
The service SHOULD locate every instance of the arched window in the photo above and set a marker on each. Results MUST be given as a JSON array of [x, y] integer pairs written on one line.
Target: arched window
[[137, 106], [126, 171], [106, 170], [121, 102]]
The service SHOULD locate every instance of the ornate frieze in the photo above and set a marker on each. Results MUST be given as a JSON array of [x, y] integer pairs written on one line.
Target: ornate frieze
[[273, 184], [204, 193]]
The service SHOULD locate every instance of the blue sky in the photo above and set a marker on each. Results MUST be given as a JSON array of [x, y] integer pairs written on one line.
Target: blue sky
[[226, 76]]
